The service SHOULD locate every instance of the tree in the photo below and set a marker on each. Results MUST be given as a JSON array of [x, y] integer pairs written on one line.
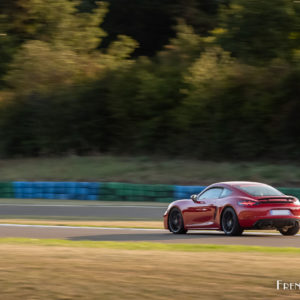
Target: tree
[[61, 48], [258, 31], [151, 22]]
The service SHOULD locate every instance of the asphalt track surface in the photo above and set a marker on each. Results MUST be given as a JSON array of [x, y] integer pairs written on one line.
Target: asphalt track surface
[[123, 212], [148, 235]]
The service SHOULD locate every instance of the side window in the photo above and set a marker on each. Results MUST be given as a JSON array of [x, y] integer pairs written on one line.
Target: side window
[[225, 193], [212, 193]]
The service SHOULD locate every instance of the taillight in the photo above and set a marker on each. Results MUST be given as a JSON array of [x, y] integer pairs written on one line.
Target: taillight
[[247, 203]]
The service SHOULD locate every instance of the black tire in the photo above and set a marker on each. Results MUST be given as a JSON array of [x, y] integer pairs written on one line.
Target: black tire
[[230, 223], [290, 231], [175, 222]]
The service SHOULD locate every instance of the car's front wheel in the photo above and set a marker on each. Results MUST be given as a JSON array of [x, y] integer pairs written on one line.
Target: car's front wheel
[[175, 222], [230, 222], [290, 231]]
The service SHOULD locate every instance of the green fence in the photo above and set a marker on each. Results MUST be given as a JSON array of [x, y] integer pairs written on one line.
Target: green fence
[[6, 190], [291, 191], [112, 191]]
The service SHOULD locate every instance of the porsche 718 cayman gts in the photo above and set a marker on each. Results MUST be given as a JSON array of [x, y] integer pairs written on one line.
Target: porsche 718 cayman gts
[[233, 207]]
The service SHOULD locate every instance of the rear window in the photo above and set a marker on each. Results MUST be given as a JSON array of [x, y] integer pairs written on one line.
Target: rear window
[[259, 190]]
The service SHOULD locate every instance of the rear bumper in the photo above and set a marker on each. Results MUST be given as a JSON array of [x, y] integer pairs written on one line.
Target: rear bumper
[[260, 215], [275, 223]]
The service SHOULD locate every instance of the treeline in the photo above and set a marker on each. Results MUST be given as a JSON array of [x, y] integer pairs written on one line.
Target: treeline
[[221, 81]]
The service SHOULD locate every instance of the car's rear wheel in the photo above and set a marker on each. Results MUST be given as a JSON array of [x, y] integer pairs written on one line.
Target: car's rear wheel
[[290, 231], [175, 222], [230, 223]]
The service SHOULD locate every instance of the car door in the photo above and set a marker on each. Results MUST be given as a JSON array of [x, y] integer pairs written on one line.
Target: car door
[[202, 211]]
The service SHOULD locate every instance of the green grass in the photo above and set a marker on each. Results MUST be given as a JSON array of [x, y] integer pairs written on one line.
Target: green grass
[[149, 246], [53, 269], [146, 170]]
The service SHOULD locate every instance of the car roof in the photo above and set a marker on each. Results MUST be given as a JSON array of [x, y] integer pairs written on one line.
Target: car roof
[[236, 183], [241, 182]]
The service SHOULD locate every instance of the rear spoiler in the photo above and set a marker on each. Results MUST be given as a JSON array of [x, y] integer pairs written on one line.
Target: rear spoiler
[[280, 199], [277, 197]]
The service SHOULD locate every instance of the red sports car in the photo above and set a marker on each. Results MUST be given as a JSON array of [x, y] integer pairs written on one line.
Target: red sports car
[[233, 207]]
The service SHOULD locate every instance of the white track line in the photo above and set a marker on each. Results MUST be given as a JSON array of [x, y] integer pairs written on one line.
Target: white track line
[[70, 205], [78, 227], [133, 229]]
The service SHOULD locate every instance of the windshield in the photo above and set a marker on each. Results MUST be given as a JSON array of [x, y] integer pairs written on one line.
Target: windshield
[[259, 190]]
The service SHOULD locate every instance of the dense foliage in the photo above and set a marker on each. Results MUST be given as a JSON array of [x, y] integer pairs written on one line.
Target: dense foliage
[[206, 78]]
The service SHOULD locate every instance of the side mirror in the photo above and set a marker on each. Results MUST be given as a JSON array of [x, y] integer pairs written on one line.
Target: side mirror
[[194, 197]]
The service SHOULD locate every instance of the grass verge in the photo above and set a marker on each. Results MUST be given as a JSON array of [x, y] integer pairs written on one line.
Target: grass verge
[[146, 170], [54, 269], [149, 246]]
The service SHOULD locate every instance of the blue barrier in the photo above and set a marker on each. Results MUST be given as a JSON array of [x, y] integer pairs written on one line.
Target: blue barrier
[[92, 190], [56, 190], [185, 191], [110, 191]]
